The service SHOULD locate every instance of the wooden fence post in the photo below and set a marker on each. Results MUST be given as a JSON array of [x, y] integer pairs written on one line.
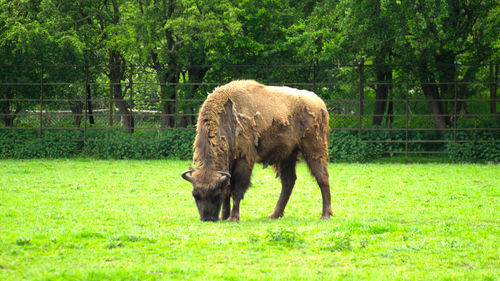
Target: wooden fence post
[[85, 101], [455, 101], [361, 95], [41, 101], [176, 114], [407, 119], [493, 88]]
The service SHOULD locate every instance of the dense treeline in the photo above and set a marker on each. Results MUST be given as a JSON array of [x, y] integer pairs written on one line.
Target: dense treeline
[[189, 41]]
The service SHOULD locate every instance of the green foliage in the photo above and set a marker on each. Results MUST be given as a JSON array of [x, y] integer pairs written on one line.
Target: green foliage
[[27, 144], [113, 145], [344, 146], [172, 144], [191, 42], [473, 146], [374, 142], [177, 144], [470, 146]]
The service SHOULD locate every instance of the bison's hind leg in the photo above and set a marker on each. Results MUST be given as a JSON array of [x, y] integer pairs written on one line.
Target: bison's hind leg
[[319, 170], [314, 148], [286, 171]]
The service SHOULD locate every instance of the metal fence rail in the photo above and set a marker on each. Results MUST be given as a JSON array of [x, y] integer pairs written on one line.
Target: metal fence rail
[[82, 101]]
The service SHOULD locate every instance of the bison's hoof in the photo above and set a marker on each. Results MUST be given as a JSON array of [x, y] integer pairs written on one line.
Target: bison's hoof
[[275, 216], [234, 219], [325, 217]]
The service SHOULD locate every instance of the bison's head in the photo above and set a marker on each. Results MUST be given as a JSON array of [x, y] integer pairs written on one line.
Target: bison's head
[[208, 191]]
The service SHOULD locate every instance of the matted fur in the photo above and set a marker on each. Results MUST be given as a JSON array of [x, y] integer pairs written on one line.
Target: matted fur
[[260, 111]]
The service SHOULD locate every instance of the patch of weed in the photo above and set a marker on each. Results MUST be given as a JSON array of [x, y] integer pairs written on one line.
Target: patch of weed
[[114, 244], [89, 235], [284, 237], [23, 241], [337, 242], [454, 243]]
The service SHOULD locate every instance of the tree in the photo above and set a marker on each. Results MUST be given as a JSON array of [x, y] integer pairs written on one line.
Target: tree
[[173, 34], [105, 38], [430, 37], [117, 38], [33, 37], [440, 35], [369, 29]]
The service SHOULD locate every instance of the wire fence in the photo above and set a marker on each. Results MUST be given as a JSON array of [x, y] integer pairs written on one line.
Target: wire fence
[[411, 114]]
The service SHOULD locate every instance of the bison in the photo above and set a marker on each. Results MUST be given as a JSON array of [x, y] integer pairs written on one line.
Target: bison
[[245, 122]]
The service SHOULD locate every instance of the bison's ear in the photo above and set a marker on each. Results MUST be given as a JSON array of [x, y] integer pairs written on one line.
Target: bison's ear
[[187, 176]]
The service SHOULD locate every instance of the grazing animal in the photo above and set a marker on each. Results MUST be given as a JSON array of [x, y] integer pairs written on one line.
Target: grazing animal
[[245, 122]]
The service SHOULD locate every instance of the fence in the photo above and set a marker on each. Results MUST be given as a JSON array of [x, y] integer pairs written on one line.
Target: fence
[[395, 105]]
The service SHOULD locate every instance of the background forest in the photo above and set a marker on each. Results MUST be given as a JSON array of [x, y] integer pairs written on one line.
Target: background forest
[[160, 58]]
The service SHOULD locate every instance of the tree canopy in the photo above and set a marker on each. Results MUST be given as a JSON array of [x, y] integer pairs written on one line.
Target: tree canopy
[[189, 41]]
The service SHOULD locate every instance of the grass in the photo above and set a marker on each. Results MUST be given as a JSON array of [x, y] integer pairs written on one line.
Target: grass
[[136, 220]]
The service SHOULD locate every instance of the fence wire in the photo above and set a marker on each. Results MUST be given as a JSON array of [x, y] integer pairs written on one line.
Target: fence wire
[[70, 97]]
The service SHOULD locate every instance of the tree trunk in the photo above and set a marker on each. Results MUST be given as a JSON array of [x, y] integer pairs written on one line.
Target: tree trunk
[[361, 70], [167, 110], [431, 92], [77, 111], [389, 117], [384, 76], [168, 77], [168, 90], [8, 116], [431, 88], [116, 75], [493, 89], [447, 87], [117, 69], [89, 106], [196, 75]]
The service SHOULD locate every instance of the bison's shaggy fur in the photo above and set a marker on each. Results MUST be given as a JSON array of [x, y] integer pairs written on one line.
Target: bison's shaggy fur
[[245, 122]]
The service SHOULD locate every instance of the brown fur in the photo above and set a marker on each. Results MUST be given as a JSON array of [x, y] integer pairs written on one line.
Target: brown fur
[[245, 122]]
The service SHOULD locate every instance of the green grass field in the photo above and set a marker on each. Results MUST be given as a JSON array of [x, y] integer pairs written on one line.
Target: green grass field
[[136, 220]]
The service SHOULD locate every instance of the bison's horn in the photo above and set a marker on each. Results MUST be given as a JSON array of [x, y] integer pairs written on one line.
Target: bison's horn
[[187, 176], [225, 176]]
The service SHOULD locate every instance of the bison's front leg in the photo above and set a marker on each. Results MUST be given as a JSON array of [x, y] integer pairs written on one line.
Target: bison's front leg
[[226, 207], [240, 181], [235, 212]]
